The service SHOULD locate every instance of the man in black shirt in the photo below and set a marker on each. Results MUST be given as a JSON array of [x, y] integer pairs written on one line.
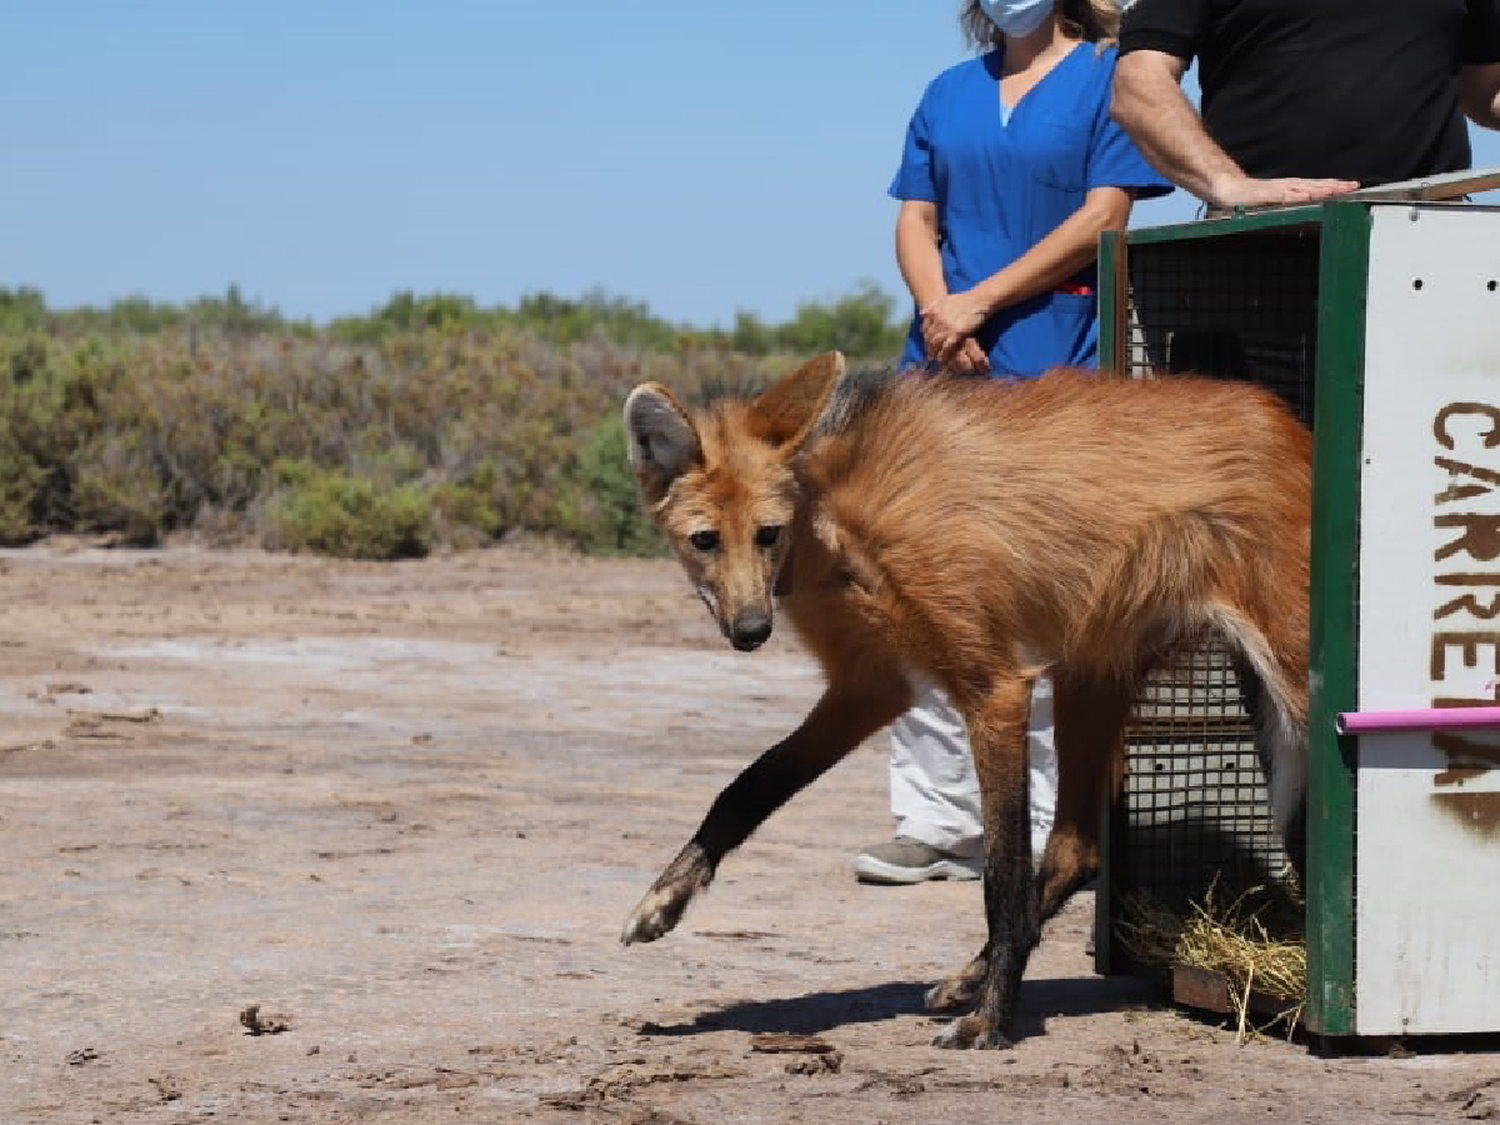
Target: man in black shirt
[[1303, 99]]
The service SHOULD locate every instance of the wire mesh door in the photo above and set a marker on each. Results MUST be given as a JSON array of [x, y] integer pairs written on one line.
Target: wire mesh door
[[1194, 807]]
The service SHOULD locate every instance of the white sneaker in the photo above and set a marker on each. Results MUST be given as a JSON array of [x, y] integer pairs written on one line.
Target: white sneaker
[[904, 860]]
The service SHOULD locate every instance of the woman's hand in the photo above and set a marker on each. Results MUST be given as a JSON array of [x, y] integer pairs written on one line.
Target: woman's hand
[[949, 321], [968, 359]]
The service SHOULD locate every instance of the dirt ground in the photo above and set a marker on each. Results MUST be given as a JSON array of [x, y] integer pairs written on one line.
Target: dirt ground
[[405, 809]]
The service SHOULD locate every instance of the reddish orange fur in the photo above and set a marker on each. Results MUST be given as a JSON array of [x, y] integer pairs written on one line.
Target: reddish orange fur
[[983, 534]]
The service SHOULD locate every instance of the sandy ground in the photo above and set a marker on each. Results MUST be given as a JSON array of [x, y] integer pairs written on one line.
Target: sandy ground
[[406, 808]]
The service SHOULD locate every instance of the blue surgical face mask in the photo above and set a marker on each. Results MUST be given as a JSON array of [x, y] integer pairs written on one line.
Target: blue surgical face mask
[[1017, 17]]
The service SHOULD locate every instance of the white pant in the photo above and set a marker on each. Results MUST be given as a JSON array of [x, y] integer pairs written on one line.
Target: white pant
[[934, 789]]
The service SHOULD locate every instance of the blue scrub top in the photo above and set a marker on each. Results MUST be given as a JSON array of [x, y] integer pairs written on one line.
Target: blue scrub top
[[1004, 179]]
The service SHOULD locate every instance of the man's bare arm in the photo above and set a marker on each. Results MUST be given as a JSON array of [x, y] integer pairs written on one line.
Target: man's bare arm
[[1149, 104]]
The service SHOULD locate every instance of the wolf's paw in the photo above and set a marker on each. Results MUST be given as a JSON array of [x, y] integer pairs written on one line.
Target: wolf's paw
[[656, 915], [971, 1033], [949, 995], [958, 991], [669, 896]]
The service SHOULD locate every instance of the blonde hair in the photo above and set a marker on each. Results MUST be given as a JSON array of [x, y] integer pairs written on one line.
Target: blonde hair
[[1097, 21]]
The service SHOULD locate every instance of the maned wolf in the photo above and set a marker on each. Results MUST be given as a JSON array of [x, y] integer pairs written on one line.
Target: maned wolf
[[980, 534]]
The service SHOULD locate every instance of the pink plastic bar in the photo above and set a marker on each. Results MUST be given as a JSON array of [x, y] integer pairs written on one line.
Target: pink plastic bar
[[1429, 718]]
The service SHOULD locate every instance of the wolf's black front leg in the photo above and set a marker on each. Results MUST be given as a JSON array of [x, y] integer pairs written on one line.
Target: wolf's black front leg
[[841, 720]]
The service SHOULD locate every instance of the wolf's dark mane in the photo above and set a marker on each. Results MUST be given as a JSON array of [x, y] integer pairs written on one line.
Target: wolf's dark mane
[[738, 388], [856, 394]]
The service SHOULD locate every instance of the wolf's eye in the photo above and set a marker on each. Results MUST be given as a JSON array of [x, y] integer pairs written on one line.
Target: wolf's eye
[[766, 536], [704, 540]]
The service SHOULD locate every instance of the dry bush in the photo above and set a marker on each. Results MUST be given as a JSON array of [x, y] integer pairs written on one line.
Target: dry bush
[[428, 437]]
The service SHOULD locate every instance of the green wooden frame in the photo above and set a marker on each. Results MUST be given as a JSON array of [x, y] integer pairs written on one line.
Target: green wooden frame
[[1338, 421]]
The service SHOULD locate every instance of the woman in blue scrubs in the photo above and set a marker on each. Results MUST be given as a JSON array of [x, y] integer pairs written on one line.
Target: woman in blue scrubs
[[1011, 170]]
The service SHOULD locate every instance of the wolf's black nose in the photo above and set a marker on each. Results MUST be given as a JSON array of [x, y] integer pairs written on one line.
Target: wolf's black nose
[[750, 630]]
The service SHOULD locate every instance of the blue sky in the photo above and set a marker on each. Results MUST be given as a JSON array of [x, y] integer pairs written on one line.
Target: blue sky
[[324, 154]]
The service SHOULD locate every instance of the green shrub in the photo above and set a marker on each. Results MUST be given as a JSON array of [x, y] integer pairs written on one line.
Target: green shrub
[[116, 490], [467, 512], [21, 483], [613, 522], [332, 513]]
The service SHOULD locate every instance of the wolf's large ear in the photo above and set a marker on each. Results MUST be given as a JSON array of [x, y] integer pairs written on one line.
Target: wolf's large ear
[[663, 443], [787, 412]]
